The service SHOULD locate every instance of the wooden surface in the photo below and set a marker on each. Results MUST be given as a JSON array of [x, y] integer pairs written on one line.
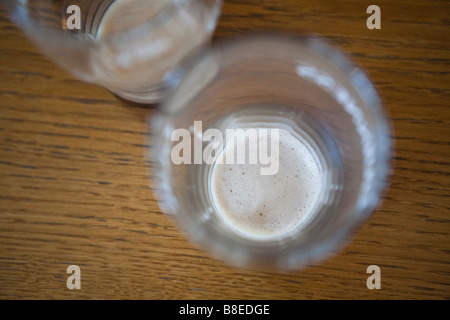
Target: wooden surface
[[74, 183]]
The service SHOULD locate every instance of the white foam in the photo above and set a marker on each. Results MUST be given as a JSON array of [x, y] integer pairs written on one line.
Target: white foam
[[268, 206]]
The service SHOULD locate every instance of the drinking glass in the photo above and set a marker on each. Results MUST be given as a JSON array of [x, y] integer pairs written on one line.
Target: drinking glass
[[299, 83], [127, 46]]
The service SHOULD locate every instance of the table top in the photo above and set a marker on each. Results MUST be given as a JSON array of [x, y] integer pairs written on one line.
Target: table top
[[74, 187]]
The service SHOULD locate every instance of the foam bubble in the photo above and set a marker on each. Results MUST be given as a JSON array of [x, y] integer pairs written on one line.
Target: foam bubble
[[268, 206]]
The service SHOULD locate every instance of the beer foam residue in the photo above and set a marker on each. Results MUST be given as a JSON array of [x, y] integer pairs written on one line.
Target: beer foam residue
[[268, 206]]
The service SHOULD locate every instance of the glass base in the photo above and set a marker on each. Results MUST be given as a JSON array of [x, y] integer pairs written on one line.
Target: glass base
[[151, 95]]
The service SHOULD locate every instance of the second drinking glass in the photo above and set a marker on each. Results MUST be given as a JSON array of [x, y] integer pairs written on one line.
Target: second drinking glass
[[127, 46]]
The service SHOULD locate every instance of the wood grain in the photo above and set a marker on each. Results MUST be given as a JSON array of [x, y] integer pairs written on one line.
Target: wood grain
[[74, 185]]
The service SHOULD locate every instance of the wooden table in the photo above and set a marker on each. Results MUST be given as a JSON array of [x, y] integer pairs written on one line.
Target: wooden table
[[74, 186]]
